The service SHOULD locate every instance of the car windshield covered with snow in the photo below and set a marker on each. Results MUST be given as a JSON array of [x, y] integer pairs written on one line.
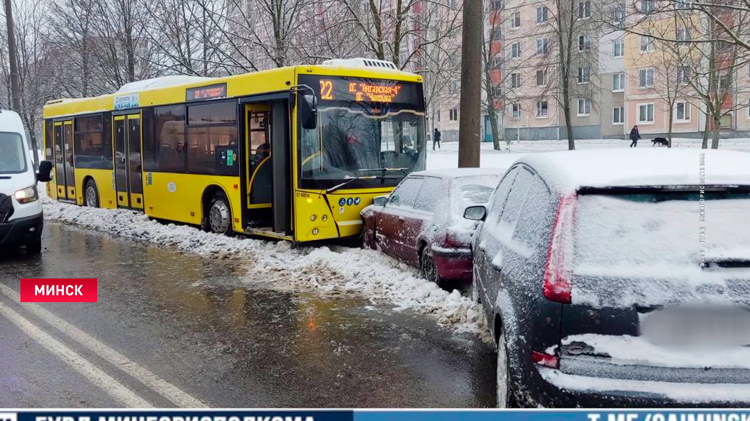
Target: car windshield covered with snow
[[471, 191]]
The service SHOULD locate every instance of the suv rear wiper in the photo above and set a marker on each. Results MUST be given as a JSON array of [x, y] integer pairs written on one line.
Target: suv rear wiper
[[347, 182], [727, 262]]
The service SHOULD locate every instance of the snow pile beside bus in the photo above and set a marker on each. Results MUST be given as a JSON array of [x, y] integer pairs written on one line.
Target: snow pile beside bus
[[322, 270]]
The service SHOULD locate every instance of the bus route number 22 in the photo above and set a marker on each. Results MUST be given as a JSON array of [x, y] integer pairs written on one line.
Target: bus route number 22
[[326, 89]]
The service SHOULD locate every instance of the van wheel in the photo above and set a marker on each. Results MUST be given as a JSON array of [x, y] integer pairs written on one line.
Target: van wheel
[[91, 196], [505, 396], [428, 268], [34, 246], [219, 217]]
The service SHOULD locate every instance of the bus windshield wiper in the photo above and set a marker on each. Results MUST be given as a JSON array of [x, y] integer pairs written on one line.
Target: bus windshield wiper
[[347, 182], [383, 170]]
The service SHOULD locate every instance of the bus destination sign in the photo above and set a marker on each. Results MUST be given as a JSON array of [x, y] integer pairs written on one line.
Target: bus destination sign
[[359, 91], [207, 92]]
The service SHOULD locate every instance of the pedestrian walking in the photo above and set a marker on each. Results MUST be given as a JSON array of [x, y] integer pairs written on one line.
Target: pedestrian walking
[[436, 139], [634, 136]]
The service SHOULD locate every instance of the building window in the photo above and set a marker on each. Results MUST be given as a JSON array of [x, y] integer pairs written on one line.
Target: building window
[[683, 75], [453, 114], [584, 74], [541, 77], [682, 111], [618, 15], [645, 113], [723, 83], [683, 37], [647, 44], [683, 4], [516, 110], [618, 115], [584, 107], [541, 46], [648, 6], [646, 78], [584, 9], [542, 111], [542, 14], [515, 20], [515, 50], [618, 82], [584, 43], [748, 108], [618, 47], [515, 80], [497, 4]]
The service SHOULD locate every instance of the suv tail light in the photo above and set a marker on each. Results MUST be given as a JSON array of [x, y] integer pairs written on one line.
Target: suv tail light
[[558, 270], [546, 360]]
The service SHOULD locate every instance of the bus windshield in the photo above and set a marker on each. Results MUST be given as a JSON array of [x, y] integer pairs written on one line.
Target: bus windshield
[[369, 132]]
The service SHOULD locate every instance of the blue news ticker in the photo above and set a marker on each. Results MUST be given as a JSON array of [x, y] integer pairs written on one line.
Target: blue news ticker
[[378, 415]]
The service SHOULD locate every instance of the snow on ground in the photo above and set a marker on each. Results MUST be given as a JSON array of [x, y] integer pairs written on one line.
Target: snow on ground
[[329, 271], [447, 155]]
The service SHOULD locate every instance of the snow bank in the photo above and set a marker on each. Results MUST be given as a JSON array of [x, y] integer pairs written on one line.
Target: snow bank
[[323, 270]]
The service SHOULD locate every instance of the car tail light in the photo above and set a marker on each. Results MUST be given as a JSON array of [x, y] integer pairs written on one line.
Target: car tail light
[[558, 271], [546, 360], [453, 239]]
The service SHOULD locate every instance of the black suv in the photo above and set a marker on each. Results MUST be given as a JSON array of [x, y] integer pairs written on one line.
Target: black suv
[[618, 279]]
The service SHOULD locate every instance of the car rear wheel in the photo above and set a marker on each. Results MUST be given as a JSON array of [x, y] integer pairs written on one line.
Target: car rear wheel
[[428, 267], [91, 196], [505, 397], [219, 219]]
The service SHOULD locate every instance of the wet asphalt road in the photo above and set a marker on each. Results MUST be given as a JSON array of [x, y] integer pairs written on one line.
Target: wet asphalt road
[[187, 320]]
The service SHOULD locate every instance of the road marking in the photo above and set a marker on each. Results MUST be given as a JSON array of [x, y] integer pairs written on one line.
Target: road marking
[[101, 379], [157, 384]]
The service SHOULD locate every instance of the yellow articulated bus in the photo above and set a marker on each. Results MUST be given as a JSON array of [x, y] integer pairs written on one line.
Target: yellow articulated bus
[[292, 153]]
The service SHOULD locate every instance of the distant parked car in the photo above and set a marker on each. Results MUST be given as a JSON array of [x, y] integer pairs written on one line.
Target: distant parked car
[[618, 279], [421, 222]]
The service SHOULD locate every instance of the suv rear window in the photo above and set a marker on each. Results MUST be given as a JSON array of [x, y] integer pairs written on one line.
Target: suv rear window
[[12, 155], [655, 233]]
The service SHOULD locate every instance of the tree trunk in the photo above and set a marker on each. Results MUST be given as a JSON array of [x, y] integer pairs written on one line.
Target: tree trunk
[[471, 86], [669, 133], [715, 133], [492, 114], [705, 134]]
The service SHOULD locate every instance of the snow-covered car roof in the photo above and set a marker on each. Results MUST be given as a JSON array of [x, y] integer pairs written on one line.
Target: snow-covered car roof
[[568, 171], [461, 172]]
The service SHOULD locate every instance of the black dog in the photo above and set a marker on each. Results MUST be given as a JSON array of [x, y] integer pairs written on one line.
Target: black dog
[[660, 140]]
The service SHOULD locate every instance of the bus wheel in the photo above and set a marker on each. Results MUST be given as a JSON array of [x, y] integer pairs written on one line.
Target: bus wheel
[[219, 215], [92, 195]]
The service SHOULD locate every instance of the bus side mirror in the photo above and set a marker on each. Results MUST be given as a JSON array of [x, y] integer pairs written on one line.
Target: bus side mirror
[[44, 174], [307, 111]]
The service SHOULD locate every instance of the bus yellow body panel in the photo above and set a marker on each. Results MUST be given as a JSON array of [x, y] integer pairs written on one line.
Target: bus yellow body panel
[[103, 180], [180, 197]]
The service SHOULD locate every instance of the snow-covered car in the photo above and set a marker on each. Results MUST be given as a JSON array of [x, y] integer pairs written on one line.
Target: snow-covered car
[[421, 222], [619, 279], [21, 219]]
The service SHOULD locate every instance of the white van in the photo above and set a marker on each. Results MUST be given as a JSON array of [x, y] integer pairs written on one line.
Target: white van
[[21, 219]]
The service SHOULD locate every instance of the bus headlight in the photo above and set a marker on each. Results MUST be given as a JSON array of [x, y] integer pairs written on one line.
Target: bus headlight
[[312, 217], [324, 218], [315, 231], [27, 195]]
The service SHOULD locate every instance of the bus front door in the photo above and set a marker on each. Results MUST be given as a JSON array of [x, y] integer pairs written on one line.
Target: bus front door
[[64, 171], [128, 170], [259, 170]]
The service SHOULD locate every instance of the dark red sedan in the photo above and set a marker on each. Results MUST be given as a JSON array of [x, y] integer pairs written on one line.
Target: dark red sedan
[[421, 222]]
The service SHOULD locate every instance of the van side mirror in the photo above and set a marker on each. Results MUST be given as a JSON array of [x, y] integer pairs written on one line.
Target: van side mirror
[[307, 111], [44, 174], [475, 213], [380, 200]]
